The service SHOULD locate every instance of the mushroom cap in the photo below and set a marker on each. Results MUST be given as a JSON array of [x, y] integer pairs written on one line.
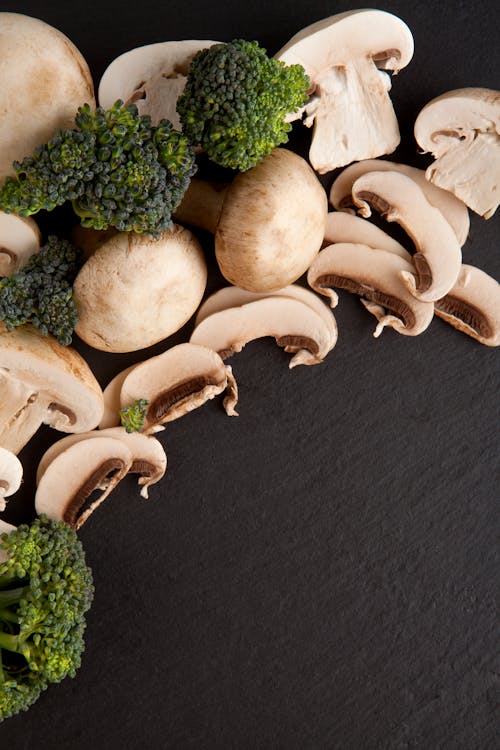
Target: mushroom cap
[[44, 81], [135, 290], [344, 227], [11, 474], [75, 397], [271, 224], [152, 77], [20, 238]]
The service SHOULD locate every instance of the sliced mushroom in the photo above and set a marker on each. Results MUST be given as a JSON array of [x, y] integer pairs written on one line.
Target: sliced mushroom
[[176, 382], [111, 394], [43, 382], [342, 227], [376, 276], [5, 528], [20, 238], [462, 130], [473, 306], [397, 197], [454, 211], [345, 57], [296, 327], [11, 474], [152, 77]]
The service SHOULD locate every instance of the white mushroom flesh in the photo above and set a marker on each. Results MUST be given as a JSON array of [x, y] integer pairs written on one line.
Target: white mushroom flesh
[[20, 238], [11, 474], [111, 394], [344, 227]]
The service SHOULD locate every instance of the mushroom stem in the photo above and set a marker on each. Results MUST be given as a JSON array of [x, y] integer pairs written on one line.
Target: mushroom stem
[[202, 204], [22, 411]]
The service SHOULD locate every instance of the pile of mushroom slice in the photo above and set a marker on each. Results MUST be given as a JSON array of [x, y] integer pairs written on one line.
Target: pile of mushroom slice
[[77, 465], [20, 238], [173, 383], [295, 317]]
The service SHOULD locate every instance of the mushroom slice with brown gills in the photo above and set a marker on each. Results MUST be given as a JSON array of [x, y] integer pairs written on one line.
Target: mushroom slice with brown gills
[[11, 474], [76, 472], [5, 528], [152, 77], [462, 130], [43, 382], [454, 211], [438, 259], [345, 57], [374, 275], [473, 306], [20, 238], [176, 382], [111, 394], [295, 326], [343, 227], [268, 223]]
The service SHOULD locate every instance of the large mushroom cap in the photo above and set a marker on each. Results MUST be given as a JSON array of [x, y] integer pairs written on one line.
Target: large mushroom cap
[[44, 81], [20, 238]]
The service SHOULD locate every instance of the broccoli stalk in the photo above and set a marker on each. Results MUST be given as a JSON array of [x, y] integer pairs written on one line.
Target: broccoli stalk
[[45, 590], [115, 167], [236, 101]]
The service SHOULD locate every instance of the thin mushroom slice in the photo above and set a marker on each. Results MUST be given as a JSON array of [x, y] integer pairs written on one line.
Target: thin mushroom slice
[[438, 259], [473, 306], [20, 238], [176, 382], [11, 474], [111, 394], [295, 326], [343, 227], [374, 275], [75, 473]]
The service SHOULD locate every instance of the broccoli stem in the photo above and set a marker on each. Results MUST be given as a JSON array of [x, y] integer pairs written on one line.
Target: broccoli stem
[[10, 596], [202, 204], [7, 616], [9, 642]]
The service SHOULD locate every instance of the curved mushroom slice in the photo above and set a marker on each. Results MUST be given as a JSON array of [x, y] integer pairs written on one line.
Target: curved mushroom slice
[[76, 472], [343, 227], [111, 394], [376, 276], [43, 382], [296, 327], [438, 259], [20, 238], [473, 306], [11, 474], [454, 211], [5, 528], [345, 56], [176, 382], [152, 77], [462, 130]]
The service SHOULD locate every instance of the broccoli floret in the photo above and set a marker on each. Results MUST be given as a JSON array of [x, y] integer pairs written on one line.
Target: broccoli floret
[[132, 417], [235, 102], [42, 293], [45, 590], [115, 167]]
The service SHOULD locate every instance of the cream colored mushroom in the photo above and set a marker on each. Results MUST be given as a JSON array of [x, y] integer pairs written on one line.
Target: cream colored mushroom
[[112, 405], [43, 382], [473, 306], [295, 326], [438, 259], [44, 81], [345, 57], [20, 238], [343, 227], [454, 211], [11, 474], [136, 290], [152, 77], [268, 223], [178, 381], [5, 528], [376, 276], [462, 131]]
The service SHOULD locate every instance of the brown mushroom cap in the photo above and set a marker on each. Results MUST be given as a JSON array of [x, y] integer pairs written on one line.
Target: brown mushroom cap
[[44, 81], [20, 238], [11, 474], [343, 227], [135, 290]]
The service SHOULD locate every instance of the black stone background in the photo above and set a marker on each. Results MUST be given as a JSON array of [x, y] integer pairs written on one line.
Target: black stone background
[[318, 574]]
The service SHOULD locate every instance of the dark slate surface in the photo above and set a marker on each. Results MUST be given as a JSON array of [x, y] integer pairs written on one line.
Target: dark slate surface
[[319, 573]]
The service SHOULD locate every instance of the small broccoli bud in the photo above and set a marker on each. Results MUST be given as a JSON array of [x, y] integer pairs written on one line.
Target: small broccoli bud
[[236, 100], [132, 417]]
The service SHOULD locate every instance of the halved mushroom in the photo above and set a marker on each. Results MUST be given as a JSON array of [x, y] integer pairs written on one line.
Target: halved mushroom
[[20, 238], [376, 276], [454, 211], [462, 130], [176, 382], [152, 77], [397, 197], [473, 306], [11, 474], [343, 227], [5, 528], [43, 382], [296, 327], [345, 57]]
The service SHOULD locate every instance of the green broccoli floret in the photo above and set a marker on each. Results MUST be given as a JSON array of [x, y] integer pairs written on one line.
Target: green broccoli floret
[[132, 417], [115, 167], [235, 102], [45, 590], [42, 292]]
